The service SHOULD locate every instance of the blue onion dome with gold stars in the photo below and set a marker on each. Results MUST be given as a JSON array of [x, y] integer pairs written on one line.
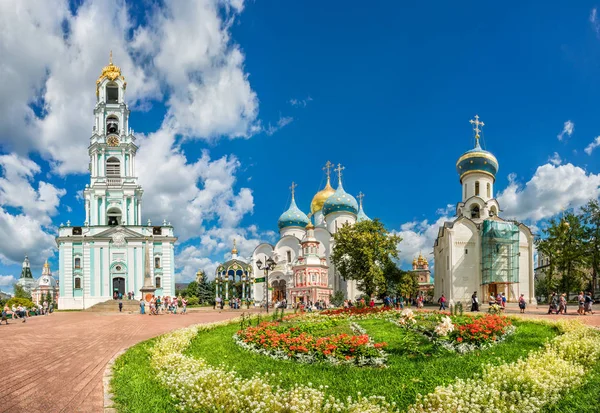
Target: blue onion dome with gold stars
[[340, 200], [361, 216], [477, 160], [293, 217]]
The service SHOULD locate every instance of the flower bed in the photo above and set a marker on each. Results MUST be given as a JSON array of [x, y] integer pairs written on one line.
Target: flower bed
[[292, 342], [457, 333], [357, 312]]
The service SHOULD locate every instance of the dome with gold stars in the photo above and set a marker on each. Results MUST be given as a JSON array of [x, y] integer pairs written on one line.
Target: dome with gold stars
[[340, 201], [293, 217]]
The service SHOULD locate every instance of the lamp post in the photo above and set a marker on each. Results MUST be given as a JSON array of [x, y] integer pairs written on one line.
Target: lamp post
[[268, 266]]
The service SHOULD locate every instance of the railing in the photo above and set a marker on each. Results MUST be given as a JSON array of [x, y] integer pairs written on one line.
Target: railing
[[114, 181]]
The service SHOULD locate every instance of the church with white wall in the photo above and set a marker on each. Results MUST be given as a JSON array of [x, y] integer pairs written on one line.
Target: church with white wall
[[304, 271], [479, 251], [105, 256]]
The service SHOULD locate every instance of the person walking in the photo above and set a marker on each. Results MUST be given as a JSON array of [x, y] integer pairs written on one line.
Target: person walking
[[474, 302], [589, 300], [442, 302], [142, 307], [522, 304], [120, 305], [5, 311], [580, 303]]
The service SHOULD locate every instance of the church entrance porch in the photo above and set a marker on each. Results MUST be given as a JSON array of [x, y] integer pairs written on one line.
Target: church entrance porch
[[279, 290], [118, 287]]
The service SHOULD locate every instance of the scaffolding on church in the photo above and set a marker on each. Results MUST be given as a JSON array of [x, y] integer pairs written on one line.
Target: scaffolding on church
[[500, 252]]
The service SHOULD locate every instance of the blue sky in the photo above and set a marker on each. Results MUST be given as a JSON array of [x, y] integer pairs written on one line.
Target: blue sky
[[265, 92]]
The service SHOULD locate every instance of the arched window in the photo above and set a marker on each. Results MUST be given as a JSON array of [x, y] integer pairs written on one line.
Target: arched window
[[289, 256], [157, 282], [77, 262], [489, 190], [475, 211], [112, 125], [77, 283], [493, 211], [156, 262], [113, 167], [112, 93], [477, 188]]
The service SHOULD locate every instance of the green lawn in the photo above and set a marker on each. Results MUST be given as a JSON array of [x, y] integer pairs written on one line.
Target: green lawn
[[135, 389], [583, 399]]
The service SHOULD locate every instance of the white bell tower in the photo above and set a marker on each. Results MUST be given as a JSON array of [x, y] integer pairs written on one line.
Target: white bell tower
[[113, 196]]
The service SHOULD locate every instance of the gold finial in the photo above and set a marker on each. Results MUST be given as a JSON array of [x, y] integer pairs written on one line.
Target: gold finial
[[360, 198], [339, 170], [476, 129], [327, 169], [234, 250], [293, 188], [111, 72], [110, 58]]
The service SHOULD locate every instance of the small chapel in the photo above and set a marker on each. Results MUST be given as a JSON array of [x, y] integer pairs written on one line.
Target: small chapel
[[479, 251], [113, 252], [304, 271]]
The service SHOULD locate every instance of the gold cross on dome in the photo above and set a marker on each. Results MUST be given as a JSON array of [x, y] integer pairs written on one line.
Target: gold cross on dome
[[293, 188], [477, 123], [110, 58], [327, 169], [360, 198], [339, 170]]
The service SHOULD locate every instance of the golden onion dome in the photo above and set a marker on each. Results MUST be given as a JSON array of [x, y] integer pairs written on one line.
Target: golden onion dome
[[320, 198]]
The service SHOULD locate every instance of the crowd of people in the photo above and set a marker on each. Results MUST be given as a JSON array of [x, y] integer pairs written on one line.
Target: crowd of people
[[558, 304], [164, 305], [20, 312]]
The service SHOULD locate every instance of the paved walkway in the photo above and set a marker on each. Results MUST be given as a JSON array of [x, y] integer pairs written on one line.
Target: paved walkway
[[55, 363]]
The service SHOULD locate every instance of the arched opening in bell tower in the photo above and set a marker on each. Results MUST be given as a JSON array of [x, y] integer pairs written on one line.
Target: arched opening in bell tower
[[114, 216], [112, 93], [113, 167], [112, 125], [475, 211]]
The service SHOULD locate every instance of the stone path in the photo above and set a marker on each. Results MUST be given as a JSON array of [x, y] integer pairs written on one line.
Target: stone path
[[55, 363]]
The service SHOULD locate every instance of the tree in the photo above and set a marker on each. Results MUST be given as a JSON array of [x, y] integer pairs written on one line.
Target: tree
[[206, 291], [564, 245], [337, 299], [20, 292], [591, 230], [400, 282], [362, 251], [191, 290]]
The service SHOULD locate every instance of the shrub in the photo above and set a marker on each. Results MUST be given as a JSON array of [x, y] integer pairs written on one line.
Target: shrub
[[20, 301], [193, 301]]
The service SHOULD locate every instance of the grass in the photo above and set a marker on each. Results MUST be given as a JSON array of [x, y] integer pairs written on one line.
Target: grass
[[400, 382], [136, 390], [134, 387]]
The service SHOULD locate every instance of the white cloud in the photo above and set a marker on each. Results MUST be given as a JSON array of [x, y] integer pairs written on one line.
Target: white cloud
[[555, 159], [283, 121], [568, 129], [593, 145], [7, 280], [594, 21], [189, 44], [300, 102], [551, 189], [419, 237], [17, 191]]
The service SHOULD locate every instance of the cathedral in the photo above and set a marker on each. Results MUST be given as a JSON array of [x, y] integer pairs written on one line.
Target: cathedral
[[107, 256], [479, 251], [303, 270]]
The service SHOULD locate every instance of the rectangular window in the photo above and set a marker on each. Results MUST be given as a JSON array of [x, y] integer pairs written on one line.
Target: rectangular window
[[489, 190], [77, 262], [77, 283], [289, 256], [466, 251], [477, 188], [112, 94]]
